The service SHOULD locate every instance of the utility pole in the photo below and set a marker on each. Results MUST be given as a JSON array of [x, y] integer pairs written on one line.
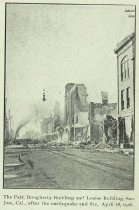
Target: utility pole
[[10, 123]]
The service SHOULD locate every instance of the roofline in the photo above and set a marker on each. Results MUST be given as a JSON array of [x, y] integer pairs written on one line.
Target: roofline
[[125, 41]]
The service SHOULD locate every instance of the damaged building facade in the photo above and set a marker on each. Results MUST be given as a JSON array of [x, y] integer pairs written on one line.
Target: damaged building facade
[[103, 121], [76, 111], [48, 129], [47, 125], [126, 91]]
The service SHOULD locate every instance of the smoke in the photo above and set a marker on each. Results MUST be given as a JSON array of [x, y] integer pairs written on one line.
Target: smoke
[[19, 128], [36, 112]]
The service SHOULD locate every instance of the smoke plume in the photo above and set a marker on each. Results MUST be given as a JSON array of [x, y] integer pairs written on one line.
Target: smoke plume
[[19, 128]]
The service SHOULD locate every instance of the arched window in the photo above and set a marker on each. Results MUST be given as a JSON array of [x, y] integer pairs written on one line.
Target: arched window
[[124, 68]]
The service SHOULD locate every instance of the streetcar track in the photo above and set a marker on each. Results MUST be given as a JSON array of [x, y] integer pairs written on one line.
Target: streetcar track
[[128, 177], [100, 163]]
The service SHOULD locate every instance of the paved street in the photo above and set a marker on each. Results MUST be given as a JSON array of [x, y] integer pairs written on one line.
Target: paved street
[[71, 169]]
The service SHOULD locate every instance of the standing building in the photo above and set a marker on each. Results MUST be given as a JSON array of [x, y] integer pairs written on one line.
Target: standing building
[[126, 90], [76, 110]]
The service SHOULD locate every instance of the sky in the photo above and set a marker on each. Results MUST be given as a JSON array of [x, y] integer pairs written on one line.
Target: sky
[[48, 46]]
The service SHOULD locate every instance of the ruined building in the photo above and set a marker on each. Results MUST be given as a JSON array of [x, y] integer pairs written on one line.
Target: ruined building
[[103, 120], [57, 120], [47, 125], [76, 111]]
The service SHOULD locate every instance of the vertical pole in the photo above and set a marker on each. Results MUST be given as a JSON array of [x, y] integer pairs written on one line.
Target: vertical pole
[[74, 134], [9, 121]]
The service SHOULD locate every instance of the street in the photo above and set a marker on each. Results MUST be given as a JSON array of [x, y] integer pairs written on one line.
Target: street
[[70, 169], [69, 96]]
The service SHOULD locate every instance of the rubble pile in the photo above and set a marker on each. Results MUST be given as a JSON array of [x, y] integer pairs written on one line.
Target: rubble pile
[[82, 145]]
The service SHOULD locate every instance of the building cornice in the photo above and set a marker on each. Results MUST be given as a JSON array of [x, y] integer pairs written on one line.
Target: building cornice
[[124, 42]]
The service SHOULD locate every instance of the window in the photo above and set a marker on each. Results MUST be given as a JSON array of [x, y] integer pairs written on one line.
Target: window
[[122, 99], [128, 68], [122, 73], [124, 68], [128, 97]]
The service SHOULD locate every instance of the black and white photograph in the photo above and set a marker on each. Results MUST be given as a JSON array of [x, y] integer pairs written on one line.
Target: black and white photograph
[[69, 96]]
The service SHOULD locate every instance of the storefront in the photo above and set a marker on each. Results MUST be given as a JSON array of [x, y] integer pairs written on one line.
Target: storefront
[[126, 131]]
